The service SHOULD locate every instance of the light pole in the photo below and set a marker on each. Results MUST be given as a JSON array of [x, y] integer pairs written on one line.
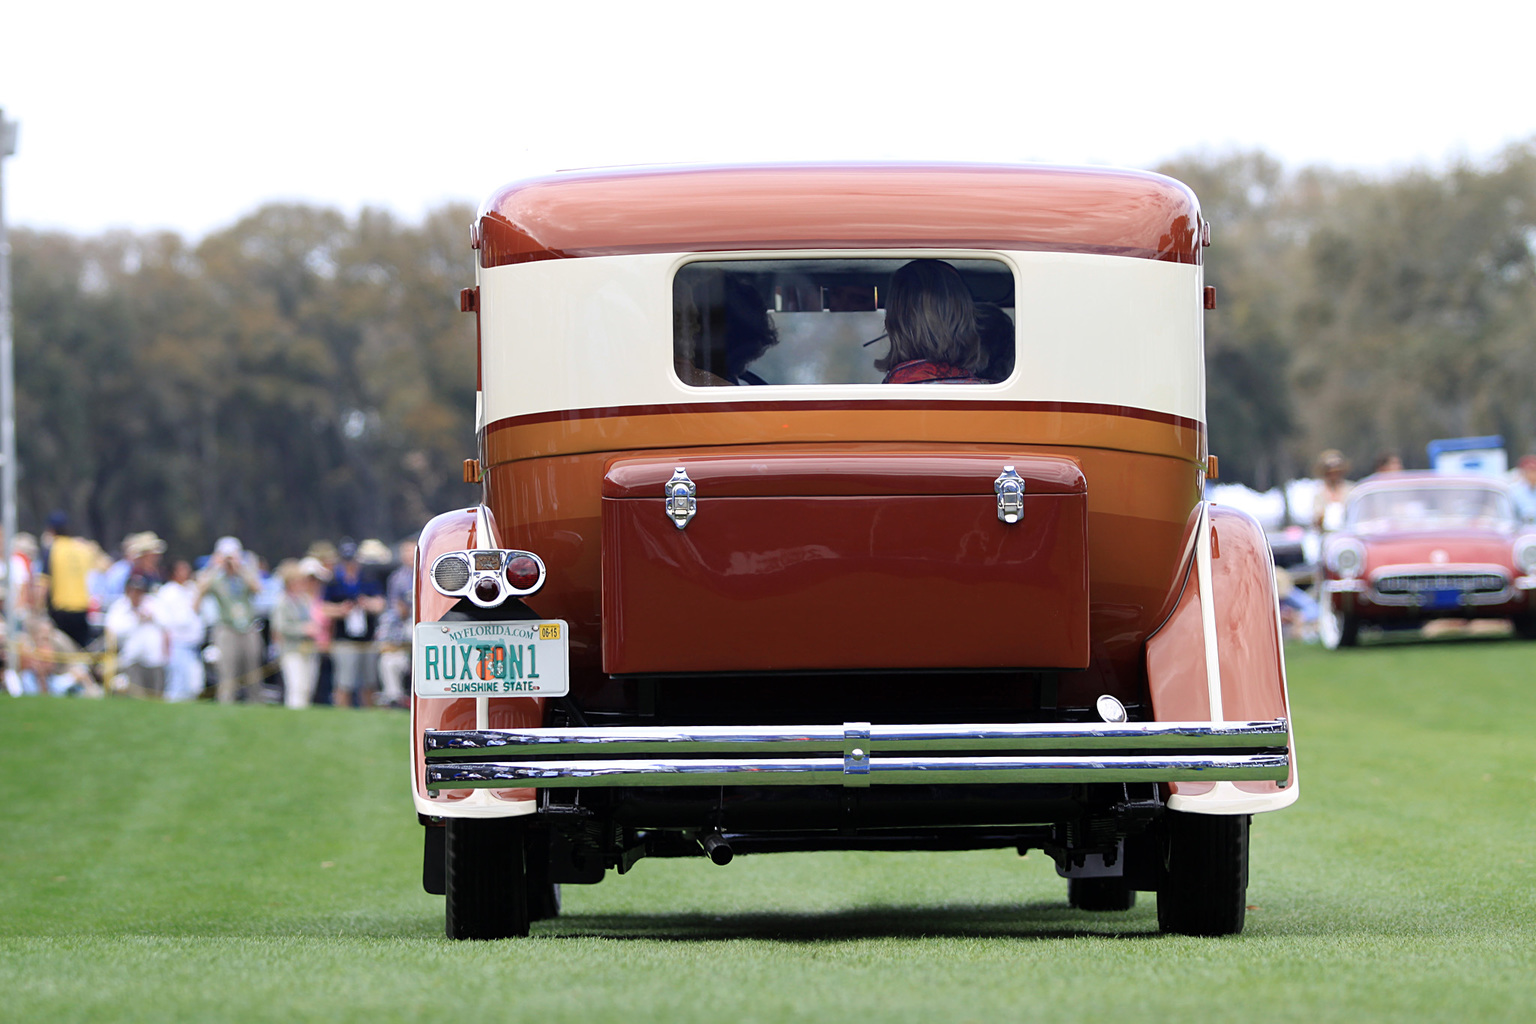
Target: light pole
[[7, 407]]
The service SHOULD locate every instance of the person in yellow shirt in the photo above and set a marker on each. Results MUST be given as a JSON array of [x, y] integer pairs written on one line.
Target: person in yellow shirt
[[69, 561]]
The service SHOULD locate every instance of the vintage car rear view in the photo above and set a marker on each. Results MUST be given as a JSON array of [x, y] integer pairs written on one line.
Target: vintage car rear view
[[844, 507], [1417, 547]]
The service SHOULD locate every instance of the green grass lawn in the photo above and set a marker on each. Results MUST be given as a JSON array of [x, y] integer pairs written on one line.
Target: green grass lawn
[[173, 862]]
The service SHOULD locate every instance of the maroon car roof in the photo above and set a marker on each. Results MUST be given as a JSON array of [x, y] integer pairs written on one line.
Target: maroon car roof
[[1061, 209]]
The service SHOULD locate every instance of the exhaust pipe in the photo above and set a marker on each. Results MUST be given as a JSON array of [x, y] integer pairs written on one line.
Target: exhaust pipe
[[717, 847]]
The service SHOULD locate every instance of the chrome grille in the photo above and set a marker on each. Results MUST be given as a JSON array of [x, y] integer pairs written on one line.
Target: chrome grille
[[1424, 583]]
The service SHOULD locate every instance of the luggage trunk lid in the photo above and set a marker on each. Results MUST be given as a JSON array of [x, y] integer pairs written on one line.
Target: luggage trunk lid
[[843, 560]]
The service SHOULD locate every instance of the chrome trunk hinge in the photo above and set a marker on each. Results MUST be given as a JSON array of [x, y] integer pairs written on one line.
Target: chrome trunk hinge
[[682, 498], [1010, 495]]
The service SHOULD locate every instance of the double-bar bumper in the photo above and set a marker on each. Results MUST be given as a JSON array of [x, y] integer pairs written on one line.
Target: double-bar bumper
[[857, 754]]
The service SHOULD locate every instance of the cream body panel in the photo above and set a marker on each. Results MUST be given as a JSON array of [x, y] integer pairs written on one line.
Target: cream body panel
[[479, 804], [1226, 798], [596, 332]]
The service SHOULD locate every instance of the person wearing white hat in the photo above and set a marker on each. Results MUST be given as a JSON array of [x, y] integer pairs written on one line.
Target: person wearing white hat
[[232, 583], [141, 557]]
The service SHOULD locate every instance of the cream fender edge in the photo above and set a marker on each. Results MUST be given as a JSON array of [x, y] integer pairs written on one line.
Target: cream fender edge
[[1241, 652]]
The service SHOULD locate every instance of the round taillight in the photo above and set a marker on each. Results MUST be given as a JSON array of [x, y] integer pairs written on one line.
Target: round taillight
[[522, 573], [487, 590]]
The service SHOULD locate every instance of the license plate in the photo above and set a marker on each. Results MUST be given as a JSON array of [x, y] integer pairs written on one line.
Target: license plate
[[491, 659], [1445, 598]]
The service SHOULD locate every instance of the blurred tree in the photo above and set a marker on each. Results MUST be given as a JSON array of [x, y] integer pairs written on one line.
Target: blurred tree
[[1420, 310], [301, 374], [1251, 260], [293, 377]]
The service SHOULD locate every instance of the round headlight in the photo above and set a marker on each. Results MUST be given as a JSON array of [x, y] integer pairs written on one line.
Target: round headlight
[[1525, 554], [1345, 557]]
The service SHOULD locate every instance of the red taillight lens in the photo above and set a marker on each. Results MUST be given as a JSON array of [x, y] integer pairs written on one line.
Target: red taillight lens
[[522, 573], [487, 590]]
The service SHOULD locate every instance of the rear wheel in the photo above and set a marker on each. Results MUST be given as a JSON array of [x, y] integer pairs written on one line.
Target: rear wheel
[[1100, 894], [1205, 885], [1525, 626], [486, 878], [1336, 628]]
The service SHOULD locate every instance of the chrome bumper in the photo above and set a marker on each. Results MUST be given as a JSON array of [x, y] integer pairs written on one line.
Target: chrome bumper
[[857, 754]]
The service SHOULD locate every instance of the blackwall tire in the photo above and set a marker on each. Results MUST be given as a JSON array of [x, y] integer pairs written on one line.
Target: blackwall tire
[[1100, 894], [1205, 885], [543, 901], [486, 878], [543, 895]]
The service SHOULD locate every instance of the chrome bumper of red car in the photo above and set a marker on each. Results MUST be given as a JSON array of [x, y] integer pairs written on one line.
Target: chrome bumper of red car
[[1436, 589], [857, 754]]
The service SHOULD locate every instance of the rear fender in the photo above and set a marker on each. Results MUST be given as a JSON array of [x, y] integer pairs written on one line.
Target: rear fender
[[457, 531], [1219, 655]]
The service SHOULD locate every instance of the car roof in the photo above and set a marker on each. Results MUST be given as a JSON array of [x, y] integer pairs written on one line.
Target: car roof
[[841, 206]]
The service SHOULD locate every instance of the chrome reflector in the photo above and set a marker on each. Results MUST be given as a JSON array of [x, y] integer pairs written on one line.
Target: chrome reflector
[[1110, 709]]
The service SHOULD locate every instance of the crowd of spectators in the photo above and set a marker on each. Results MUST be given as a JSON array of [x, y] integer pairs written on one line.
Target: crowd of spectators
[[330, 627]]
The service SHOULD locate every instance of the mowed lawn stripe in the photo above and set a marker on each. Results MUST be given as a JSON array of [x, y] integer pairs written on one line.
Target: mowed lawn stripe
[[261, 864]]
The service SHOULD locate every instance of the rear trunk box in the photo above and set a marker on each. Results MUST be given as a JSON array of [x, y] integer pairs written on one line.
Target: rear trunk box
[[814, 561]]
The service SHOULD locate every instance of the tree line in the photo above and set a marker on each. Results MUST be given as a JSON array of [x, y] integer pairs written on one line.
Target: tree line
[[297, 376], [304, 374], [1366, 313]]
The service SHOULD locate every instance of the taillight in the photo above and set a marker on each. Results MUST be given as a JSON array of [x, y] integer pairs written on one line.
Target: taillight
[[522, 572], [487, 576]]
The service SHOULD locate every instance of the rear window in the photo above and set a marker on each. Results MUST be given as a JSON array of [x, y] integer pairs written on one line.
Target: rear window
[[843, 321]]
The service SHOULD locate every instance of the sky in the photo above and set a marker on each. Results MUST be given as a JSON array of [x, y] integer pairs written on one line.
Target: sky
[[187, 116]]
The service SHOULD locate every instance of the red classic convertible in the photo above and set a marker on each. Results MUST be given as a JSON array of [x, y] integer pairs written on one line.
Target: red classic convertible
[[1422, 546]]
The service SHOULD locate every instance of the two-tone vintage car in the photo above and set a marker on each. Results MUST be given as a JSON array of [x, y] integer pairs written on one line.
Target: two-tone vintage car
[[844, 508], [1421, 546]]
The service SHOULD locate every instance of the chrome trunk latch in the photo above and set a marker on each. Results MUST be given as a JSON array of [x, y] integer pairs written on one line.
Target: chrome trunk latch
[[682, 498], [1010, 495]]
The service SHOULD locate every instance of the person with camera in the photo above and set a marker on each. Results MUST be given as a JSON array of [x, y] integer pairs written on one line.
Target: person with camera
[[233, 584]]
